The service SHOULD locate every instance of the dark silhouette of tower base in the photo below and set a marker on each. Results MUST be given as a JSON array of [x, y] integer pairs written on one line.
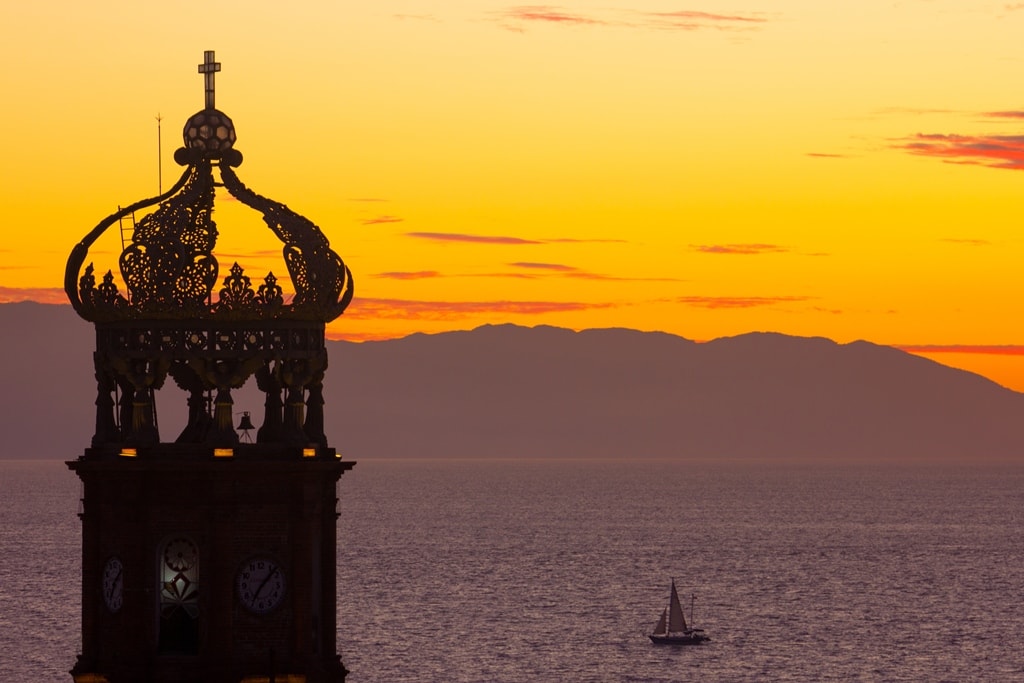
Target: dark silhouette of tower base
[[225, 568], [209, 559]]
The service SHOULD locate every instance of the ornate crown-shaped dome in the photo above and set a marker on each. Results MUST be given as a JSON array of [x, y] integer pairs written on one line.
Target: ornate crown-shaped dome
[[174, 320], [170, 269]]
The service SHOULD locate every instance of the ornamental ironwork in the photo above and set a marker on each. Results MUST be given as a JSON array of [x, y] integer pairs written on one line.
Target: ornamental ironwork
[[179, 316]]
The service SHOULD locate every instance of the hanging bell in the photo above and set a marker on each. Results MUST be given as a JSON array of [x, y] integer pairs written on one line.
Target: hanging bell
[[245, 424]]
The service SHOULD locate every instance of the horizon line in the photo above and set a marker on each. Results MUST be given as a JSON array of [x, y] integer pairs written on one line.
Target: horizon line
[[915, 349]]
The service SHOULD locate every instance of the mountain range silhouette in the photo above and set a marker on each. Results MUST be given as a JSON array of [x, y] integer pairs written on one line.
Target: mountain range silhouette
[[514, 392]]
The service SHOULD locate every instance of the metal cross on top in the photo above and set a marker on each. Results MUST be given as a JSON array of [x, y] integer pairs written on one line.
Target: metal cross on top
[[208, 68]]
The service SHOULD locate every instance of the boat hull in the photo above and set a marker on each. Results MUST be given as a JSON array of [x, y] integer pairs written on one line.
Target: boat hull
[[686, 639]]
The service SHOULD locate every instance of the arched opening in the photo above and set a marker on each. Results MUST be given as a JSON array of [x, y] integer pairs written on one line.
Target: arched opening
[[179, 597]]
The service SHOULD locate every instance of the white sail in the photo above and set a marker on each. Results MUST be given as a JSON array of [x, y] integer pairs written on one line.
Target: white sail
[[676, 620]]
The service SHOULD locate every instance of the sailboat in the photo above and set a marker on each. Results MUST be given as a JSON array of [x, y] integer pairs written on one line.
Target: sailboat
[[672, 629]]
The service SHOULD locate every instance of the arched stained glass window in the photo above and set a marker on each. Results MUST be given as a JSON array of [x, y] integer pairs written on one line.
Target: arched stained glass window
[[179, 597]]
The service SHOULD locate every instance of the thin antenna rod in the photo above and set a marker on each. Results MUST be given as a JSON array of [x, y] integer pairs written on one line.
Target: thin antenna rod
[[159, 157]]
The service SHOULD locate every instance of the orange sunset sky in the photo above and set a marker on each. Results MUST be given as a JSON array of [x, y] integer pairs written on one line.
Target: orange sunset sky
[[702, 167]]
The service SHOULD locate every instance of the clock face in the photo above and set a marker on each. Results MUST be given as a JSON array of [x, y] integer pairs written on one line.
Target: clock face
[[113, 584], [181, 554], [260, 585]]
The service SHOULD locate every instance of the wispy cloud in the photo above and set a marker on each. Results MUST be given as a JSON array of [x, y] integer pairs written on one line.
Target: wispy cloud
[[738, 301], [562, 270], [827, 155], [968, 242], [583, 275], [993, 151], [401, 275], [43, 295], [557, 267], [506, 275], [1005, 114], [744, 249], [547, 14], [518, 17], [381, 219], [995, 350], [406, 309], [530, 271], [474, 239], [690, 21], [506, 239]]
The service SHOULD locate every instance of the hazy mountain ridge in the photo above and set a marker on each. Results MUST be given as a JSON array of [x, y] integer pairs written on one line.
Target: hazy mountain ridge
[[509, 391]]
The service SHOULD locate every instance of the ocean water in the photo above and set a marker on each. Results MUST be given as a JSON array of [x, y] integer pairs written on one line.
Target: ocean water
[[555, 570]]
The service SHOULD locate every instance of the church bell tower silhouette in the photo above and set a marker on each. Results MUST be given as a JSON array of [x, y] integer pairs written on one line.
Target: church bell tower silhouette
[[207, 558]]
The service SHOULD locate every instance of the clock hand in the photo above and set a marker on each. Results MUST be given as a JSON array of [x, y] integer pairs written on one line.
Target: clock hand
[[268, 577], [113, 584]]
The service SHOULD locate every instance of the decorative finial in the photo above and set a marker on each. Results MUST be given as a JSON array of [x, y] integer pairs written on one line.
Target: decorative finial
[[208, 68]]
